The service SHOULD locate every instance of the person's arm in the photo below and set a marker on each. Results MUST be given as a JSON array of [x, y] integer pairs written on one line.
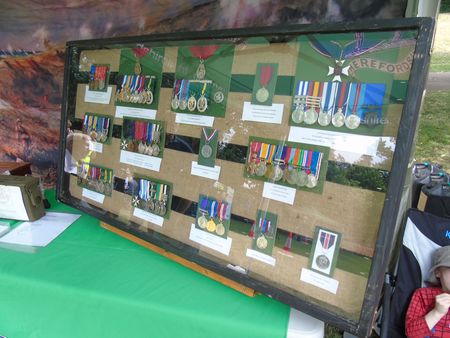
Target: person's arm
[[421, 317], [440, 310]]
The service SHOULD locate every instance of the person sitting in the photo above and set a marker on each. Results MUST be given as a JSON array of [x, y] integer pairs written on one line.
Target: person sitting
[[428, 311]]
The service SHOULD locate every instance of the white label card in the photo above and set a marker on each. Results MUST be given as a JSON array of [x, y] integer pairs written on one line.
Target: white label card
[[96, 146], [92, 195], [195, 120], [135, 112], [279, 193], [11, 203], [260, 113], [93, 96], [321, 281], [261, 257], [219, 244], [204, 171], [359, 144], [140, 160], [148, 216]]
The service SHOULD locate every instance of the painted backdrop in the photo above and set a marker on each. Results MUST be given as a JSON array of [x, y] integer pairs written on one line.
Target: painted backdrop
[[34, 32]]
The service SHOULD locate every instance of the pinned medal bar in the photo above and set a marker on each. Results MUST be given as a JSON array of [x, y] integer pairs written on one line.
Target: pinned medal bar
[[191, 95], [95, 178]]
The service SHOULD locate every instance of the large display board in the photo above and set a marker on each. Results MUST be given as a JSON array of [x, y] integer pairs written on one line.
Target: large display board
[[275, 156]]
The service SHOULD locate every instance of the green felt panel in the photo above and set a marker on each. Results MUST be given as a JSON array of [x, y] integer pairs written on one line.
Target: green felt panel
[[90, 282], [264, 83], [151, 64], [218, 70], [381, 62]]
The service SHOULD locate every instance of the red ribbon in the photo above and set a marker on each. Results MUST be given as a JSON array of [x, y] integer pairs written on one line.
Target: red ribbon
[[266, 74], [203, 52], [140, 52]]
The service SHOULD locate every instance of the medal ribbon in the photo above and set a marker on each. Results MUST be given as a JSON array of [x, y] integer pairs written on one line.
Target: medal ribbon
[[150, 133], [297, 157], [327, 239], [210, 137], [204, 204], [203, 52], [212, 209], [266, 75], [271, 153], [263, 151], [342, 94], [140, 52], [309, 154]]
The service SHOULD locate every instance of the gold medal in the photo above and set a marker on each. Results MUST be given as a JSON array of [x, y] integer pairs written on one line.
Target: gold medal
[[137, 68], [192, 103], [211, 225], [202, 104]]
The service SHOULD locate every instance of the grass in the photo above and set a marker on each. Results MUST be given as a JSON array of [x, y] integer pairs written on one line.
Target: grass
[[440, 59], [433, 143]]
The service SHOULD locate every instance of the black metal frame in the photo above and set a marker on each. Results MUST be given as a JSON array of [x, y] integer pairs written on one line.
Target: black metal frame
[[405, 140]]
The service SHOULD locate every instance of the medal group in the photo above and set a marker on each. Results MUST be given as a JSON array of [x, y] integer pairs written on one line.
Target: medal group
[[196, 89], [336, 103]]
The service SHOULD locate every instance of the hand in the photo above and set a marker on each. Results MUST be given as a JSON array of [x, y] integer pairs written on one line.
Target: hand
[[442, 303]]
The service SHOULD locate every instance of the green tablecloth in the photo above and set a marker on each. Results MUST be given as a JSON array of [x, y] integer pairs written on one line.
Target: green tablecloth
[[90, 282]]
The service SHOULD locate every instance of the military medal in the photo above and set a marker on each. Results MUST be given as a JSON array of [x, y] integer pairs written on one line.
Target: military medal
[[298, 112], [220, 228], [211, 225], [175, 103], [184, 94], [207, 150], [328, 102], [139, 52], [202, 103], [338, 119], [353, 121], [202, 53], [264, 226], [262, 94], [313, 102], [149, 90], [218, 97], [327, 241], [202, 221], [192, 103]]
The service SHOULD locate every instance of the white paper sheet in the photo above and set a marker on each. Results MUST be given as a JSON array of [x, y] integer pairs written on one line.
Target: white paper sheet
[[204, 171], [40, 232], [135, 112], [265, 114]]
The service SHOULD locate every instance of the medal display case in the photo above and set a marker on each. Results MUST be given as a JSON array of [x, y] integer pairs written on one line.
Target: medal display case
[[275, 157]]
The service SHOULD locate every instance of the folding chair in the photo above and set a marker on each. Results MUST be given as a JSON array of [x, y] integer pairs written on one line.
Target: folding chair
[[423, 234]]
